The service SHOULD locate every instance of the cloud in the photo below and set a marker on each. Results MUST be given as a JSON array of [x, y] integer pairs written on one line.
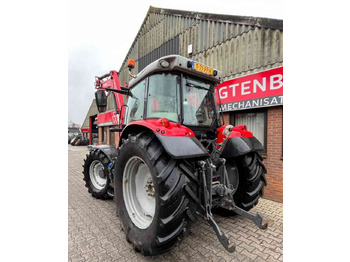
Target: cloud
[[83, 64]]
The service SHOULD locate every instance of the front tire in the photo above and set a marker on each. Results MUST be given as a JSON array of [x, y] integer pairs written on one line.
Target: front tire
[[96, 175], [143, 156]]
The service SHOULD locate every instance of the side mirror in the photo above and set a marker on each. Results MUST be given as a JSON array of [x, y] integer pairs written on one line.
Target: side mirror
[[101, 100]]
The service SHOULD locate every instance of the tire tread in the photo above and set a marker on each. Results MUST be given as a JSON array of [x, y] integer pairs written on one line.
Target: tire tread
[[176, 213]]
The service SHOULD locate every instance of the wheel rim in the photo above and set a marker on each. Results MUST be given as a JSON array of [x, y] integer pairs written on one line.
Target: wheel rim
[[233, 179], [138, 192], [97, 176]]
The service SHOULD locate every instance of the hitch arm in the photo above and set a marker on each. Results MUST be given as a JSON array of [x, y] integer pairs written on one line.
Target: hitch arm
[[221, 236], [207, 197], [256, 218]]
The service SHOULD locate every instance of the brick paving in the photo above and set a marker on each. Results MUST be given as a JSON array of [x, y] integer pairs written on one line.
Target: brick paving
[[94, 230]]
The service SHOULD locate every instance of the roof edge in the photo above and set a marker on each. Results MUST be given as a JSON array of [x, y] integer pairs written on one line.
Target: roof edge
[[138, 32], [245, 20]]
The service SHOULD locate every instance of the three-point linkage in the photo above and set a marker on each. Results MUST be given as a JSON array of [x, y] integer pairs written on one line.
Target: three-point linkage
[[207, 168]]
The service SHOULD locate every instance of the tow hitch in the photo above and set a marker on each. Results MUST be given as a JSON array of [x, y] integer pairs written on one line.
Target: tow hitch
[[256, 218], [207, 168], [225, 242], [206, 177]]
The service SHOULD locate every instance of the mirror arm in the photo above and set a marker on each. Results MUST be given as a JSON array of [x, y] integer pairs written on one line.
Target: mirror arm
[[123, 92]]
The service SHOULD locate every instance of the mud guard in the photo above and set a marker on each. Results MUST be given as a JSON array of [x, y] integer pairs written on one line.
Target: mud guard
[[237, 146], [108, 150], [179, 147]]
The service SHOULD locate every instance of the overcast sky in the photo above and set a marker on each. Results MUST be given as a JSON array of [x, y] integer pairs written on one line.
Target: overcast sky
[[101, 33]]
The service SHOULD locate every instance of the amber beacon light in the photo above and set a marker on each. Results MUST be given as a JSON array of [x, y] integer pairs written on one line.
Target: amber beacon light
[[131, 63]]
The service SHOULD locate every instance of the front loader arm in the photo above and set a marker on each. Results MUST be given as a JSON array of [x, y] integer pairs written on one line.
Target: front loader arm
[[110, 84]]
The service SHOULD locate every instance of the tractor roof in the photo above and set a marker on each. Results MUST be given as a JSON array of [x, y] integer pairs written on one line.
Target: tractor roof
[[178, 63]]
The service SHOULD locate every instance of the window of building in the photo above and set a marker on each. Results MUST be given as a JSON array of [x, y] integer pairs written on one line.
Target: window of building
[[256, 122]]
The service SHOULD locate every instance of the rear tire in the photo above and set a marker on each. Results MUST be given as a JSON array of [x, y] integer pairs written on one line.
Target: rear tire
[[247, 174], [96, 175], [173, 210], [251, 180]]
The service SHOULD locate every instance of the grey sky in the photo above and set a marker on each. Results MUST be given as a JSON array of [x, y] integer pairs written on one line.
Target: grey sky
[[101, 33]]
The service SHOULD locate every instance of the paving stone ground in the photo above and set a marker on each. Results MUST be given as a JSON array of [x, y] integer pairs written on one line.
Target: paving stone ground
[[94, 230]]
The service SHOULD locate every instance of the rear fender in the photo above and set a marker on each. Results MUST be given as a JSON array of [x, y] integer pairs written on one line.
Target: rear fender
[[240, 142], [238, 146], [178, 141]]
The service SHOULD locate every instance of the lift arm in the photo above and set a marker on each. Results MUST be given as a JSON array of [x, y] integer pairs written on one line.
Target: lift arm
[[110, 82]]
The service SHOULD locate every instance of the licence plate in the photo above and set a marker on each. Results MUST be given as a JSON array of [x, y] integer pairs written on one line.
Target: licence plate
[[202, 68]]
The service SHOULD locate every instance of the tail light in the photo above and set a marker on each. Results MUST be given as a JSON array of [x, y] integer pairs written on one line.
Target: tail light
[[165, 122]]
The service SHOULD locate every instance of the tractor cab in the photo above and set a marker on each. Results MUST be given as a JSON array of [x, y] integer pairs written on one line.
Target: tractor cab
[[178, 89]]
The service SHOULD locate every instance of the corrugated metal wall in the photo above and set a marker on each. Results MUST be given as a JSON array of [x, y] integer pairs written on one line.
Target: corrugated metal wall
[[168, 48], [236, 49], [92, 111]]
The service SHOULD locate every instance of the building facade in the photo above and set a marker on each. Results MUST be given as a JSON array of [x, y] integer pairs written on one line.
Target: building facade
[[249, 52], [89, 128]]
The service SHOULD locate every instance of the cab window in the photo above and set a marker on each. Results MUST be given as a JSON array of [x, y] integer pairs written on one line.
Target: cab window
[[164, 96], [136, 102]]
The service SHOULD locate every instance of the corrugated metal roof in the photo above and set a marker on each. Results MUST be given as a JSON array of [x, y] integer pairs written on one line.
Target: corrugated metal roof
[[233, 44]]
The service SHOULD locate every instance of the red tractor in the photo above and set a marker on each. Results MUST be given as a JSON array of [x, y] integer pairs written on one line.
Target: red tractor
[[175, 161]]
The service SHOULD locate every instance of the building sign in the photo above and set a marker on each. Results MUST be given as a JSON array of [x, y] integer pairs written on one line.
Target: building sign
[[261, 89]]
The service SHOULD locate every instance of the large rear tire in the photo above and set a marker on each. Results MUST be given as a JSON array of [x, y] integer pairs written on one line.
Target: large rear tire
[[152, 230], [247, 175], [252, 181], [96, 175]]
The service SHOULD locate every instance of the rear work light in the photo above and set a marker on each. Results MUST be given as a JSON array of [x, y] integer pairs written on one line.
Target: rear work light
[[164, 63]]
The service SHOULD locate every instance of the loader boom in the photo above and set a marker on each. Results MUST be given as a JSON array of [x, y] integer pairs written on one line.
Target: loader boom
[[110, 84]]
